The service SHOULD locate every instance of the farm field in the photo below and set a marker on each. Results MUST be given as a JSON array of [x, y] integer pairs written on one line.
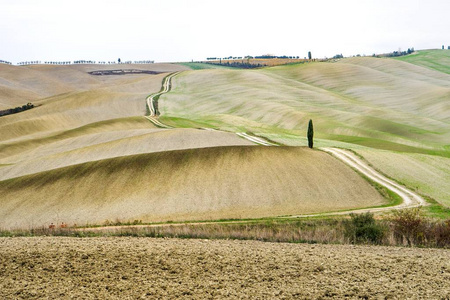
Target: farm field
[[438, 60], [113, 268], [87, 155], [374, 102], [196, 184]]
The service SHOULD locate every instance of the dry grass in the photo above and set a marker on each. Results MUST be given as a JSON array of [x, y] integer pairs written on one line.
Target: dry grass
[[70, 97], [209, 183], [76, 109], [116, 268]]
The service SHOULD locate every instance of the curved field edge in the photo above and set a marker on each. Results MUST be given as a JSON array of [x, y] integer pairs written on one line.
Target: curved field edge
[[210, 183]]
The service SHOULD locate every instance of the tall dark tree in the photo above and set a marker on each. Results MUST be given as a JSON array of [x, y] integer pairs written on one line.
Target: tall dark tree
[[309, 55], [310, 134]]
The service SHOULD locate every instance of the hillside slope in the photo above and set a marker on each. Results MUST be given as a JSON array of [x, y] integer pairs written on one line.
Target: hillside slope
[[381, 103], [438, 60], [75, 98], [209, 183], [22, 84]]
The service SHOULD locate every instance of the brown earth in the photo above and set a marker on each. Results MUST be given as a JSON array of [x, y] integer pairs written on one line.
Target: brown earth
[[194, 184], [132, 268]]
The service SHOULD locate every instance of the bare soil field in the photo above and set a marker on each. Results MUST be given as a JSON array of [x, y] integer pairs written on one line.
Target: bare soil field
[[132, 268], [194, 184]]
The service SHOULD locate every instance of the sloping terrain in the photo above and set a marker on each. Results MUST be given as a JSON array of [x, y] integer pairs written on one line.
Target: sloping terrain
[[208, 183], [90, 99], [86, 154], [438, 60], [376, 102], [22, 84], [64, 150]]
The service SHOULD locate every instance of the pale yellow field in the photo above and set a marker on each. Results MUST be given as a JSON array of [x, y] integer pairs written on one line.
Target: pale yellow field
[[87, 147], [22, 84], [208, 183]]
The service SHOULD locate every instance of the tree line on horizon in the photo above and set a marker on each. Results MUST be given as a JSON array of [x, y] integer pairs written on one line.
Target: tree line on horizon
[[75, 62]]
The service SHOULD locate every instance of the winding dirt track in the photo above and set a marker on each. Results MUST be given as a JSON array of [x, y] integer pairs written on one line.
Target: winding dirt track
[[166, 86], [410, 199], [151, 101], [255, 139]]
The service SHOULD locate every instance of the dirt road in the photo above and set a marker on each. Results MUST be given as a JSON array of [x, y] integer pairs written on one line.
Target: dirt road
[[410, 199], [151, 102], [166, 86]]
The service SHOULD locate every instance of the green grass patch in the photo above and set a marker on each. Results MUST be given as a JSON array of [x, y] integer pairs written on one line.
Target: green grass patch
[[435, 210], [437, 59]]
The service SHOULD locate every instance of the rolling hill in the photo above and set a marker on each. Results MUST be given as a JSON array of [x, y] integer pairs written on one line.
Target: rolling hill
[[196, 184], [86, 154], [438, 60], [375, 102]]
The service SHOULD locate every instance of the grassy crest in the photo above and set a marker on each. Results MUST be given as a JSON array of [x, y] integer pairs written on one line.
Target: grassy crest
[[438, 60]]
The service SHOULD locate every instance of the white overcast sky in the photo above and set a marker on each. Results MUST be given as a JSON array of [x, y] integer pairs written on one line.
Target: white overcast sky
[[181, 30]]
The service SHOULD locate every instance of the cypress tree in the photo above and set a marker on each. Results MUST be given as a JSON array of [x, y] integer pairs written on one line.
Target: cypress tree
[[310, 134]]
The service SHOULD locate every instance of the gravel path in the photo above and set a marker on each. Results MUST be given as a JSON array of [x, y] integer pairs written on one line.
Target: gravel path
[[167, 83], [410, 198]]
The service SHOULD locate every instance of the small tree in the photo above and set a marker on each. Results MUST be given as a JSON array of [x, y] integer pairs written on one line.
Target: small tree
[[309, 55], [310, 134]]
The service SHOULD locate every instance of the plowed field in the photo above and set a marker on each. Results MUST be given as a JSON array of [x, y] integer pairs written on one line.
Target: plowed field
[[132, 268]]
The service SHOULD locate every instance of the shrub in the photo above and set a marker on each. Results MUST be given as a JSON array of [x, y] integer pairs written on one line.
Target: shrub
[[363, 228], [409, 225], [437, 233]]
